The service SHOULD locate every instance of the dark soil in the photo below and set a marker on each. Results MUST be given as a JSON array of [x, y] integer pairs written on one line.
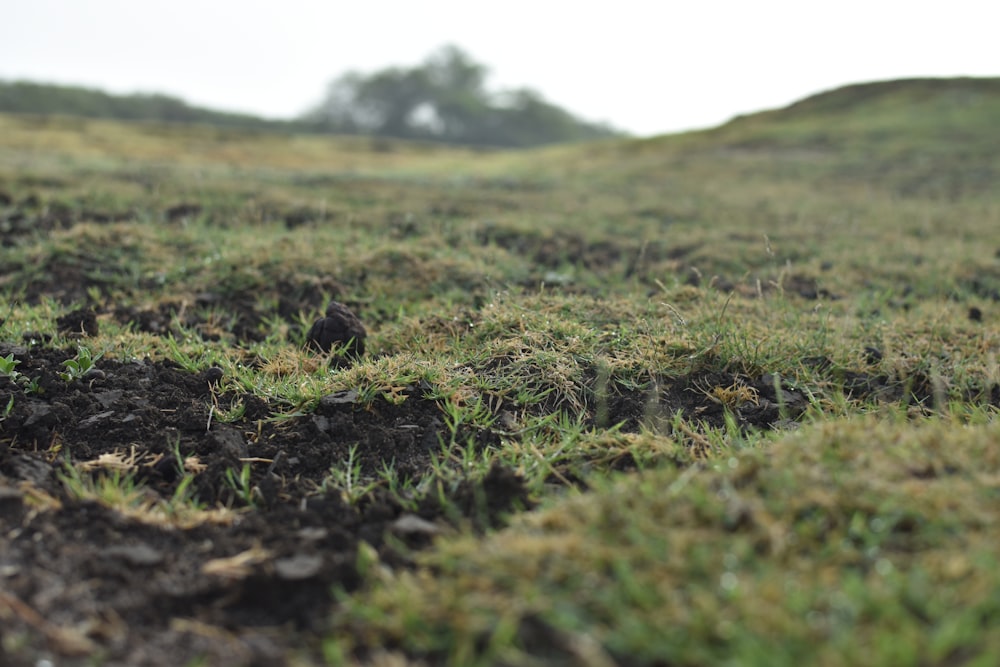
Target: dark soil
[[699, 400], [82, 581]]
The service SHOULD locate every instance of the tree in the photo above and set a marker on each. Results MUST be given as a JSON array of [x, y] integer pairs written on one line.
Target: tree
[[445, 99]]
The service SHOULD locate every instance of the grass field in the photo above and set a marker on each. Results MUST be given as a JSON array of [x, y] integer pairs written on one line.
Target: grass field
[[727, 397]]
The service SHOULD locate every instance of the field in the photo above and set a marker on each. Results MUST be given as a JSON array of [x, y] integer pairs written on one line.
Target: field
[[726, 397]]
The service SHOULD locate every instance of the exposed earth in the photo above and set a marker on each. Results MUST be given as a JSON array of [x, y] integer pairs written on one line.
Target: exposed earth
[[254, 579], [247, 586], [256, 583]]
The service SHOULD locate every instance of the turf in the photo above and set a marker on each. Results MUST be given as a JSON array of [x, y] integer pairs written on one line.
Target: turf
[[726, 397]]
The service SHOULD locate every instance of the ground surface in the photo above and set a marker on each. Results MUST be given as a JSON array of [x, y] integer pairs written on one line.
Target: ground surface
[[259, 582], [638, 402], [157, 593]]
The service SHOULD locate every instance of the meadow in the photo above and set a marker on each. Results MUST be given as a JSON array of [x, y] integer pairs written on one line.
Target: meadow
[[724, 397]]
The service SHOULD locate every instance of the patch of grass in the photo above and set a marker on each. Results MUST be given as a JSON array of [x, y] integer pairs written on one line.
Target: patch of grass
[[347, 477], [855, 541], [112, 480], [79, 366], [238, 480]]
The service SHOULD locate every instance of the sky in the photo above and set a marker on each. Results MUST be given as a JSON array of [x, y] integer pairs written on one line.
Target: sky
[[644, 67]]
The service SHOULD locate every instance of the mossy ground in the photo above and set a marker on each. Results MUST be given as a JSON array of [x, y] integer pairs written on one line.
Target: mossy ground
[[735, 393]]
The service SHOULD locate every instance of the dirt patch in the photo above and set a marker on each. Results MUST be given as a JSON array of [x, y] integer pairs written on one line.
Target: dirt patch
[[31, 217], [218, 313], [762, 402], [253, 586], [551, 250], [706, 400], [224, 310], [806, 287]]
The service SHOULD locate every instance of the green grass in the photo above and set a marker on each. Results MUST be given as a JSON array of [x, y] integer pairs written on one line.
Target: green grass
[[535, 295], [860, 541]]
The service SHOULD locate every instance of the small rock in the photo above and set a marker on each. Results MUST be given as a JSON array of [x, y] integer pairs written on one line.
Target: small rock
[[28, 468], [340, 326], [313, 534], [212, 376], [411, 524], [299, 566], [339, 398], [136, 554], [108, 398], [18, 351], [94, 420], [41, 414], [93, 375], [228, 441]]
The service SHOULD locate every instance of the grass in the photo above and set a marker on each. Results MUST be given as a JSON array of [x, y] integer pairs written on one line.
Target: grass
[[549, 298], [859, 541], [111, 480]]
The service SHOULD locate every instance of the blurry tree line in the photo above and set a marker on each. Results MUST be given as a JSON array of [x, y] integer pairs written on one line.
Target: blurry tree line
[[443, 99], [44, 99]]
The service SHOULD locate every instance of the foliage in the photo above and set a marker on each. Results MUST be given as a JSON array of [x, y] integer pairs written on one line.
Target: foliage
[[445, 99], [79, 366], [8, 369]]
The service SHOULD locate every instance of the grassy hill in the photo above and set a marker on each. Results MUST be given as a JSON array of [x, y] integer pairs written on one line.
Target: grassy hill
[[26, 97], [725, 397], [929, 135], [920, 136], [918, 108]]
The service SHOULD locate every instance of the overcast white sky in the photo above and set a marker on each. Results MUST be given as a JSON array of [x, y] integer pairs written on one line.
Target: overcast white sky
[[645, 67]]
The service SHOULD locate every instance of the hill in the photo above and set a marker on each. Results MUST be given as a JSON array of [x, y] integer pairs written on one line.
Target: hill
[[25, 97], [965, 90], [928, 110], [928, 137]]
